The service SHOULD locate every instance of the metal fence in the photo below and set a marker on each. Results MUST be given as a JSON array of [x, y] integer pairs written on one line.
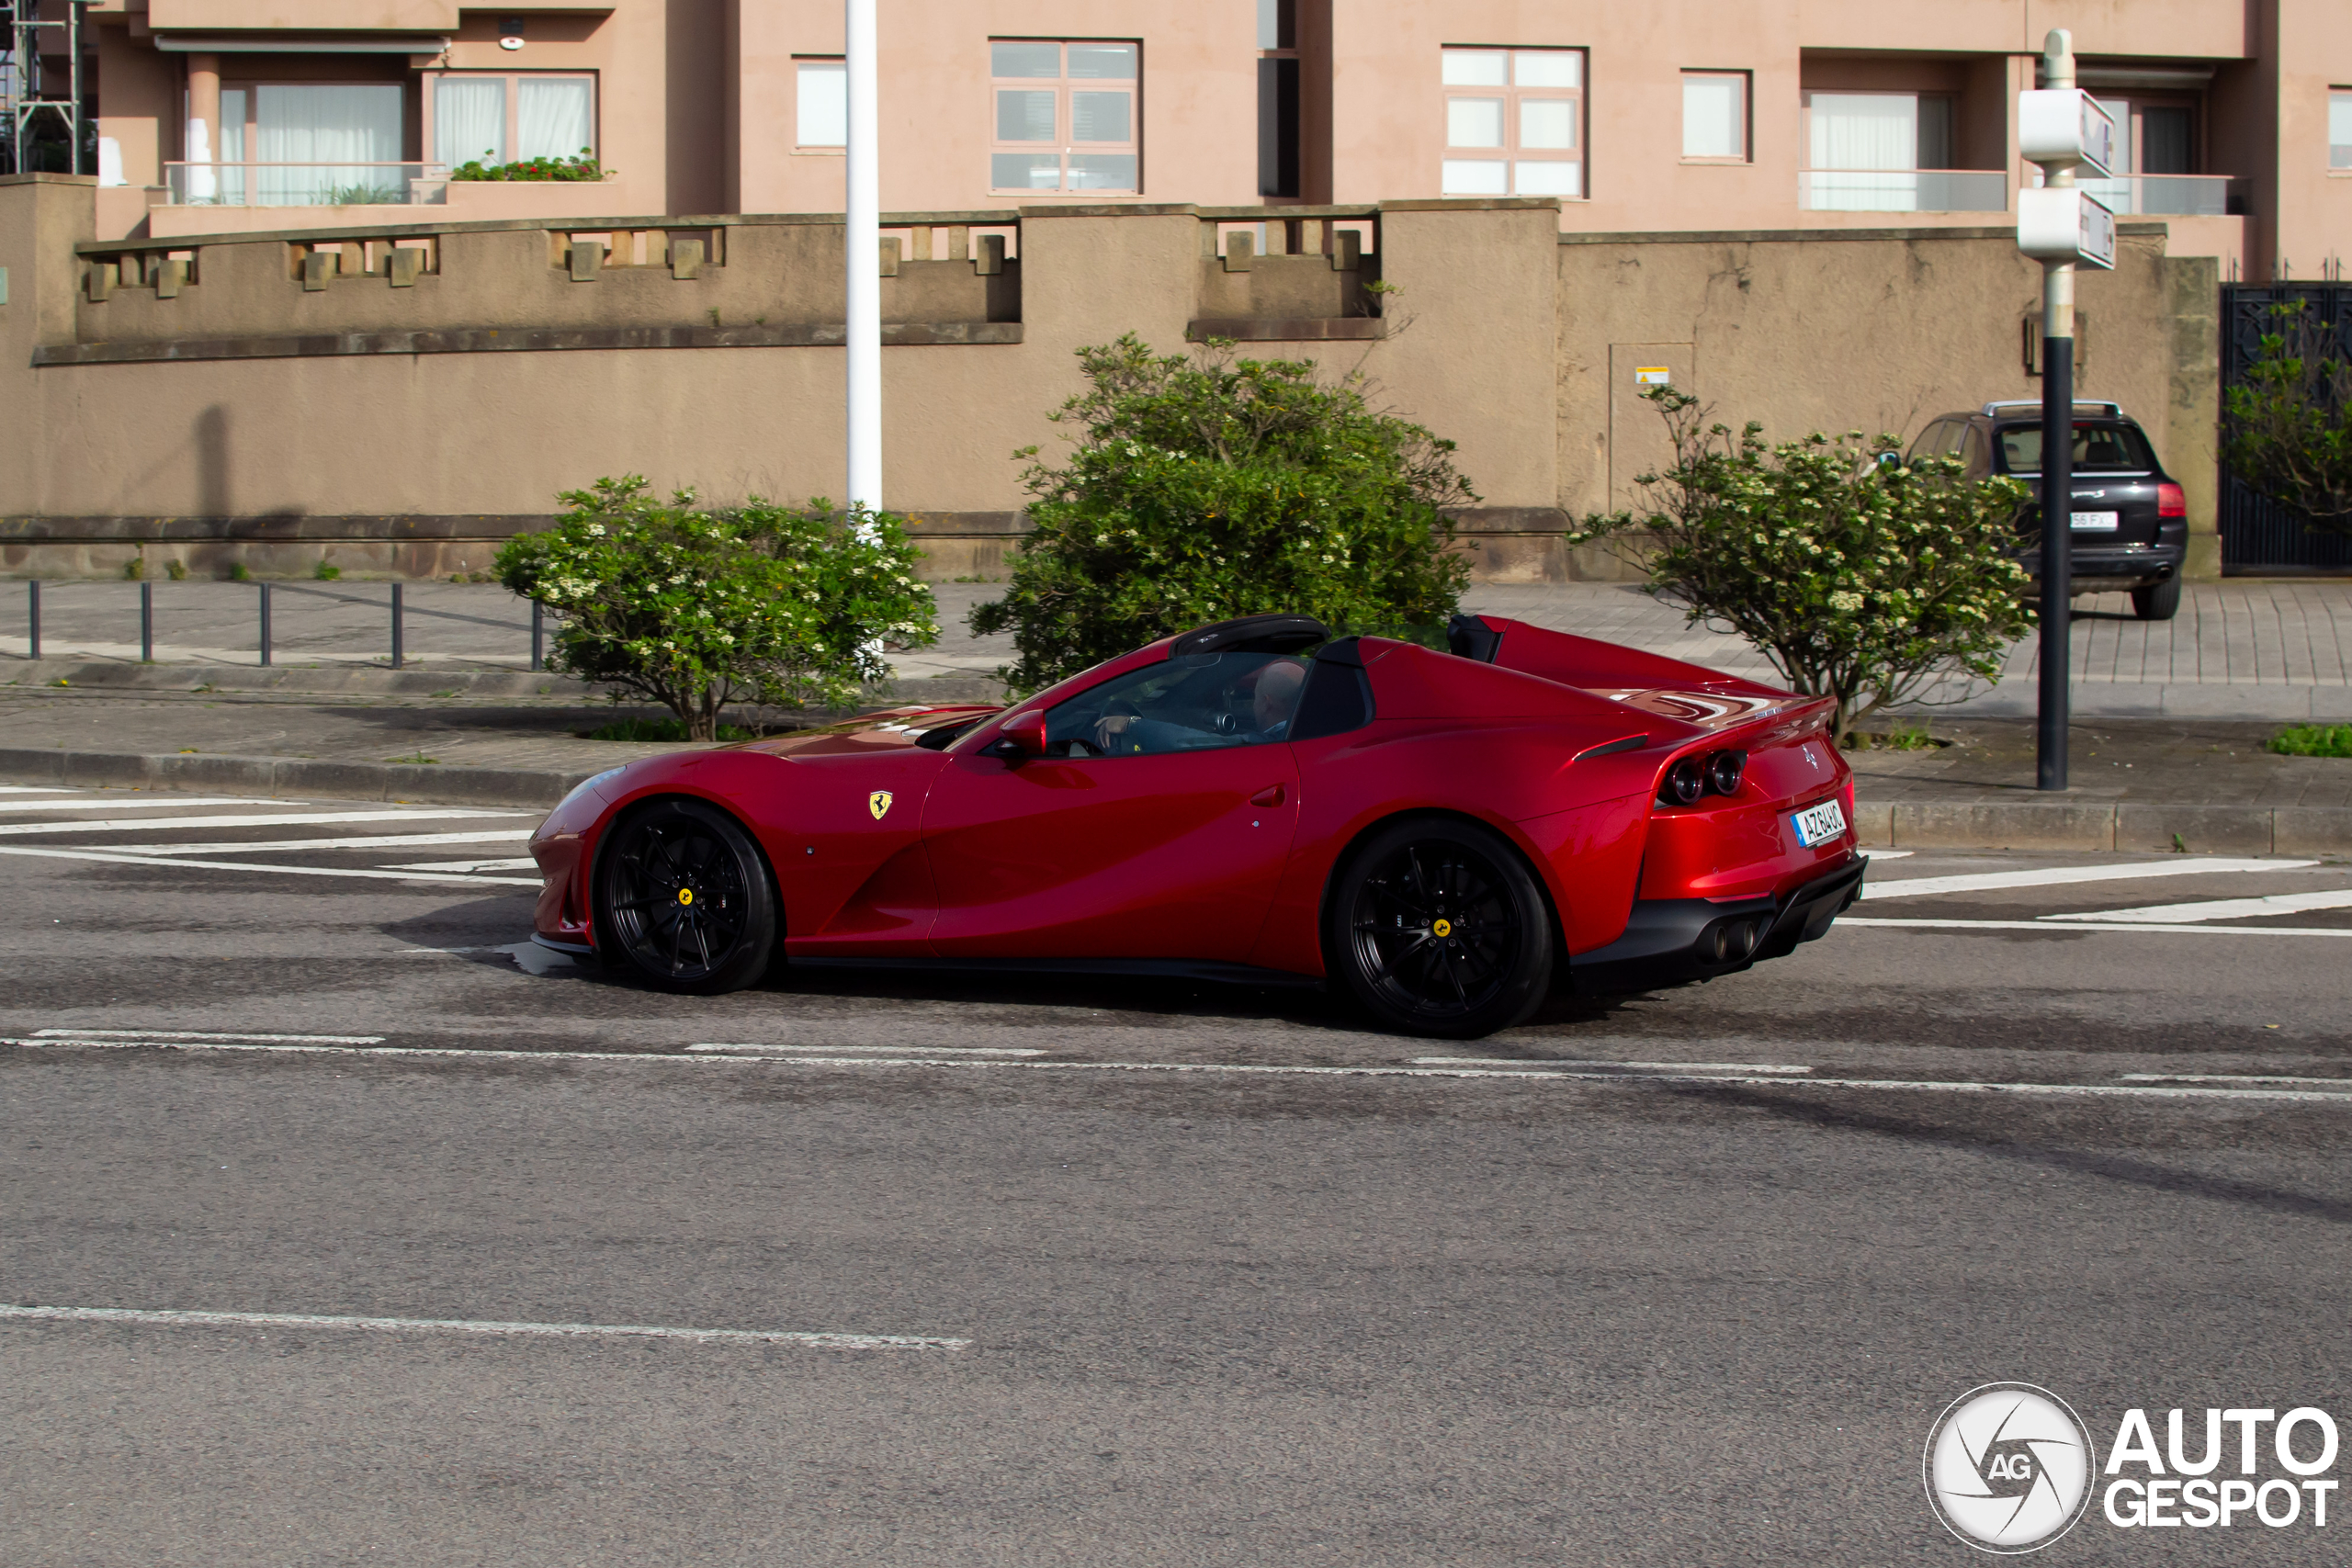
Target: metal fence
[[2257, 533]]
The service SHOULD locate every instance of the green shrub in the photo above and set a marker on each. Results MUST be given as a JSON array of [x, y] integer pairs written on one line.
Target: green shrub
[[660, 729], [240, 573], [2313, 740], [698, 610], [2287, 428], [1205, 488], [584, 167], [326, 573], [1856, 576]]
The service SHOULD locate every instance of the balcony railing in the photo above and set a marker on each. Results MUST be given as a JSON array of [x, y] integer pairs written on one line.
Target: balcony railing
[[305, 184], [2169, 196], [1903, 190]]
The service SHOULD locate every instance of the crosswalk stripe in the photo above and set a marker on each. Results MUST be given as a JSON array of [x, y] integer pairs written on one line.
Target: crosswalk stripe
[[2219, 909], [129, 801], [522, 863], [2061, 875], [117, 858], [266, 819], [2049, 928], [279, 846]]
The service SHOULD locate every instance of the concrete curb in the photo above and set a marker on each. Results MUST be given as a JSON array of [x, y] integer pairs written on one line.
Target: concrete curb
[[2102, 699], [300, 777], [2139, 827], [376, 681]]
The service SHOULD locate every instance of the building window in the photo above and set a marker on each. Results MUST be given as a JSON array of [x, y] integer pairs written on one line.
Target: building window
[[2339, 128], [1064, 116], [1514, 122], [1714, 116], [1277, 98], [1867, 150], [307, 144], [822, 104], [479, 118]]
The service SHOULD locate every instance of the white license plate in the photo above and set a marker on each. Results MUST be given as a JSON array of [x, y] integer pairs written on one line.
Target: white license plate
[[1817, 825], [2096, 522]]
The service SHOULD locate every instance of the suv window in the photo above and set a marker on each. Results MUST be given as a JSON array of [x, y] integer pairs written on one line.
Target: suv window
[[2107, 449], [1933, 442], [1199, 702]]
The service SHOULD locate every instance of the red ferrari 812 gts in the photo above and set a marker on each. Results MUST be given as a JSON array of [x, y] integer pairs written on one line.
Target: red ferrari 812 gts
[[1440, 836]]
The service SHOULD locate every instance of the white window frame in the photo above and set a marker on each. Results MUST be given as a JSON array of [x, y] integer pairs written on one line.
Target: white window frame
[[803, 67], [433, 153], [1742, 121], [1457, 162], [1065, 144]]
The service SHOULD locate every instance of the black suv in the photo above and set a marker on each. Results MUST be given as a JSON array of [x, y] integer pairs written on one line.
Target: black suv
[[2130, 520]]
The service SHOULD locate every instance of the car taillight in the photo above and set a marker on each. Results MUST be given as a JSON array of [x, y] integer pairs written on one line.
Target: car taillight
[[2170, 501]]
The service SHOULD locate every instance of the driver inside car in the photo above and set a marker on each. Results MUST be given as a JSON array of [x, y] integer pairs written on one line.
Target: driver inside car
[[1124, 730]]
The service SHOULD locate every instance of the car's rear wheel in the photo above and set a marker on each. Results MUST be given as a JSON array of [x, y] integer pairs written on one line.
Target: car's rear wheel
[[1437, 927], [2158, 600], [684, 894]]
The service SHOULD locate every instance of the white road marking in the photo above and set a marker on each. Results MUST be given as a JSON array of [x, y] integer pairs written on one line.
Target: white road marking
[[1646, 1067], [885, 1050], [1934, 1086], [95, 1034], [118, 858], [2061, 875], [31, 789], [1889, 854], [2230, 1077], [818, 1340], [271, 820], [279, 846], [2044, 925], [2217, 909], [532, 959], [127, 801], [524, 863]]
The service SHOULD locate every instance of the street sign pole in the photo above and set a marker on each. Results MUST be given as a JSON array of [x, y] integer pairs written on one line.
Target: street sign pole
[[862, 254], [2057, 475], [2061, 129]]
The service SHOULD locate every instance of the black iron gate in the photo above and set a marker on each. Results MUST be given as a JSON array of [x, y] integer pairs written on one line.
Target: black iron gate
[[2257, 533]]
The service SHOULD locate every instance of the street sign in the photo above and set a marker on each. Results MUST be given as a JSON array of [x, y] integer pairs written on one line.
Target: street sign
[[2063, 128], [2063, 223]]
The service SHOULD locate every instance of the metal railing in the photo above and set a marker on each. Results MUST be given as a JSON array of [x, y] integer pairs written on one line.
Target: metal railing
[[1903, 190], [2169, 195], [255, 184]]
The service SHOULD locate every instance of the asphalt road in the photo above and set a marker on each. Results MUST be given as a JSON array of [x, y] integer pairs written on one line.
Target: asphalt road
[[1117, 1301]]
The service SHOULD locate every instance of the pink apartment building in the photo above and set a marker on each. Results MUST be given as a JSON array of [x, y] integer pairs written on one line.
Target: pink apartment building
[[1677, 116]]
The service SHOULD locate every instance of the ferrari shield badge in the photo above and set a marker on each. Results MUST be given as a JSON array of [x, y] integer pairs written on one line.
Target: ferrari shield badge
[[878, 803]]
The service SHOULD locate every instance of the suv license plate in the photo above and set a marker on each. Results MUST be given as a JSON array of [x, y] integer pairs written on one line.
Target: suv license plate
[[2096, 522], [1817, 825]]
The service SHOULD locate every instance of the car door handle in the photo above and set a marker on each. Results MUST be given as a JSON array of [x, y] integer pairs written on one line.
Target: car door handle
[[1271, 796]]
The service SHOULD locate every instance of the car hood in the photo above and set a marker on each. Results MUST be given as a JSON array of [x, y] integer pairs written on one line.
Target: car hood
[[893, 730]]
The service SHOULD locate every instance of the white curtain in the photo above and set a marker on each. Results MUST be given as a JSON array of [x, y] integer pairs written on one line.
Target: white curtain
[[469, 119], [1865, 131], [554, 118], [340, 129]]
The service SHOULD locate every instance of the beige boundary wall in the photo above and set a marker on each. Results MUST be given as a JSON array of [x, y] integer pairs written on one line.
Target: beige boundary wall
[[398, 400]]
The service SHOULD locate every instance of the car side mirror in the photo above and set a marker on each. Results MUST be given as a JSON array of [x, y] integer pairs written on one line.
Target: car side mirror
[[1023, 736]]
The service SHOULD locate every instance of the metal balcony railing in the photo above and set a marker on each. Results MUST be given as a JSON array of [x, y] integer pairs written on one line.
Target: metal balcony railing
[[2169, 196], [254, 184], [1903, 190]]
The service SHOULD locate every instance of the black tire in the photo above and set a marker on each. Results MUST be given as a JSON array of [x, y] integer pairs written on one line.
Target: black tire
[[684, 899], [2158, 600], [1436, 927]]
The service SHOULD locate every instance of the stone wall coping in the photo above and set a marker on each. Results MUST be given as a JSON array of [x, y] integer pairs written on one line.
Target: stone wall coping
[[1738, 236], [511, 339]]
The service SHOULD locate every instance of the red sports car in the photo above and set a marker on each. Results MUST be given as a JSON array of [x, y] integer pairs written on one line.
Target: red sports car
[[1437, 836]]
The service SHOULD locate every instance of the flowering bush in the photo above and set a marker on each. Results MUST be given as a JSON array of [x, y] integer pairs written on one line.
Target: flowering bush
[[1858, 577], [584, 167], [776, 606], [1205, 488]]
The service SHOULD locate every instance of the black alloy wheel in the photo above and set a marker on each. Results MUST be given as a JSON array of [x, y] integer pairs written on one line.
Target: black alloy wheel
[[682, 893], [1437, 927]]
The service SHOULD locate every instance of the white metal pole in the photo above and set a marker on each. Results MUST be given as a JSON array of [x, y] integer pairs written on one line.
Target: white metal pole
[[861, 258]]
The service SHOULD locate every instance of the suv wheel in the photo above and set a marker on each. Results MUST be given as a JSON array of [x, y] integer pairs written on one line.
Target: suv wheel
[[2157, 601]]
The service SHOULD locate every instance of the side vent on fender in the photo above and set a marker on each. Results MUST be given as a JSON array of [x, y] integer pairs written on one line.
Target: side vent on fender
[[1338, 696]]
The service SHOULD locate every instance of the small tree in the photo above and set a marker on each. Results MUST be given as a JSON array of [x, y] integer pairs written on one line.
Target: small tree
[[2288, 426], [1207, 488], [1858, 577], [776, 606]]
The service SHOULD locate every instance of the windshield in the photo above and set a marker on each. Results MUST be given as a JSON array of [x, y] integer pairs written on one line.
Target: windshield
[[2098, 450]]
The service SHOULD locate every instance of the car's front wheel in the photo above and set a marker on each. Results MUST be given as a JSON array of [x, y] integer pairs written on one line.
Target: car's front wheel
[[2158, 600], [1437, 927], [683, 894]]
